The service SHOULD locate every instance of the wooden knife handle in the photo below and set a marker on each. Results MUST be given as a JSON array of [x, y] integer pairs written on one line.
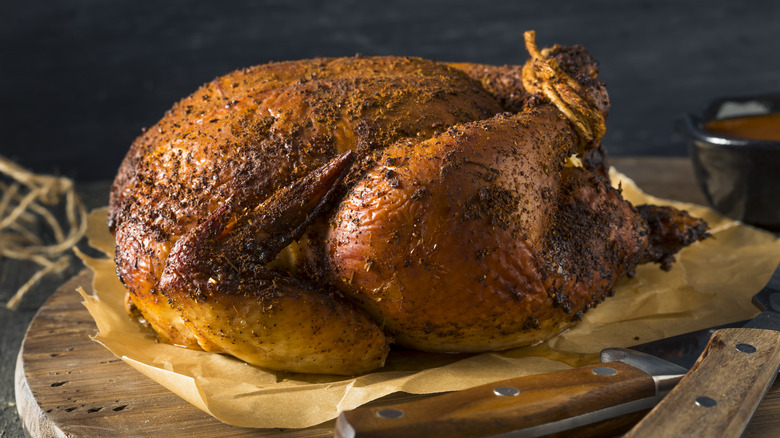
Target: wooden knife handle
[[508, 405], [717, 397]]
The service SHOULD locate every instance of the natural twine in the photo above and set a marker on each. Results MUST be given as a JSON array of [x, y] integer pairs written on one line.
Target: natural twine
[[25, 202], [541, 74]]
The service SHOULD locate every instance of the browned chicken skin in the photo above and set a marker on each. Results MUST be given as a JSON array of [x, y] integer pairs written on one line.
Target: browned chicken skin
[[245, 225], [479, 238]]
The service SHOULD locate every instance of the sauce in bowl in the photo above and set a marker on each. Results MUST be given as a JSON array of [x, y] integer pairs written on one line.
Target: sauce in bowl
[[758, 127], [734, 144]]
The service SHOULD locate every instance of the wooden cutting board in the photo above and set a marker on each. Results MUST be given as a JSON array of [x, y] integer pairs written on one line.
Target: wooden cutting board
[[68, 385]]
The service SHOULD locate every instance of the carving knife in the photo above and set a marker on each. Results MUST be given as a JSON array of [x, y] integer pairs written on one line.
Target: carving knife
[[720, 393], [595, 400]]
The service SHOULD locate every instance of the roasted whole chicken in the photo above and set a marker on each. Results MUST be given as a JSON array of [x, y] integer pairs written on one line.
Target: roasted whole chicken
[[303, 216]]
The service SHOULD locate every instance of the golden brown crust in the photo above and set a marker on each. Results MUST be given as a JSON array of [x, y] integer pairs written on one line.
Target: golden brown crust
[[504, 82], [255, 131], [479, 239], [457, 228], [216, 278]]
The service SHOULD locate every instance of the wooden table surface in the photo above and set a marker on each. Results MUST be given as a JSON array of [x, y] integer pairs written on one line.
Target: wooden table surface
[[73, 386]]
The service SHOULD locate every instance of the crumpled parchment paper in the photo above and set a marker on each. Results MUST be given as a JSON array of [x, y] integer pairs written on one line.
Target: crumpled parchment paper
[[711, 283]]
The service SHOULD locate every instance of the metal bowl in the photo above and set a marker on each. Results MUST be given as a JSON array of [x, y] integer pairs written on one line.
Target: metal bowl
[[740, 177]]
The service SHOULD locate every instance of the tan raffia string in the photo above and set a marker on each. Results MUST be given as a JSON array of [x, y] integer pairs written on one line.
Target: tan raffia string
[[26, 201], [541, 74]]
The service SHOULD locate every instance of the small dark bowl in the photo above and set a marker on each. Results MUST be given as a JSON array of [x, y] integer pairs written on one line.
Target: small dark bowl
[[739, 177]]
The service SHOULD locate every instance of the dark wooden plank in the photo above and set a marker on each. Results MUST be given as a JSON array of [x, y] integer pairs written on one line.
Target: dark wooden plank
[[664, 177]]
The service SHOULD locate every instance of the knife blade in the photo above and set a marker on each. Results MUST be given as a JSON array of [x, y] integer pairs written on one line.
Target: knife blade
[[722, 390], [595, 400]]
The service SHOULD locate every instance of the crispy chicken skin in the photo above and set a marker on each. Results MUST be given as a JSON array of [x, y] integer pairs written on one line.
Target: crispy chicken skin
[[216, 278], [479, 238], [302, 216]]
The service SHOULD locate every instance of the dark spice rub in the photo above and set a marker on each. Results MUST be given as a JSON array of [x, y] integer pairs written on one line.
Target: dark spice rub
[[304, 215]]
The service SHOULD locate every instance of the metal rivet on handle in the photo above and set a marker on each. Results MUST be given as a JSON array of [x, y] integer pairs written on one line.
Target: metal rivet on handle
[[705, 402], [389, 413], [604, 371], [506, 391], [746, 348]]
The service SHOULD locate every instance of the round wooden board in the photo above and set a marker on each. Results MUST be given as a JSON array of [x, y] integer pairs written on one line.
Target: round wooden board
[[68, 385]]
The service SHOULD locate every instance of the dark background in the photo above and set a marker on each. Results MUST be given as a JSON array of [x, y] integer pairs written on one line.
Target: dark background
[[80, 78]]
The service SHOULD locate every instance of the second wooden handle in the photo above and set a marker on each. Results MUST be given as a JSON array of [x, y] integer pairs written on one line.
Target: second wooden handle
[[717, 397]]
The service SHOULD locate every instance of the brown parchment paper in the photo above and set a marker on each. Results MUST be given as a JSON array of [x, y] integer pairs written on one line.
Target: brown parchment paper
[[711, 283]]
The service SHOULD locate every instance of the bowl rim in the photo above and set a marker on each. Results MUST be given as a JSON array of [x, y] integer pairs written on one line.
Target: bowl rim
[[692, 124]]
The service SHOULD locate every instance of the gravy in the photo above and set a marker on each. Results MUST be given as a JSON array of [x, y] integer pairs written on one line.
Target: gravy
[[759, 127]]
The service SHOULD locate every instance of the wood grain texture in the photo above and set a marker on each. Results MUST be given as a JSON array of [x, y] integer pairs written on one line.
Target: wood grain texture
[[733, 380], [81, 389], [124, 402], [667, 178], [68, 385], [541, 399], [14, 323]]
